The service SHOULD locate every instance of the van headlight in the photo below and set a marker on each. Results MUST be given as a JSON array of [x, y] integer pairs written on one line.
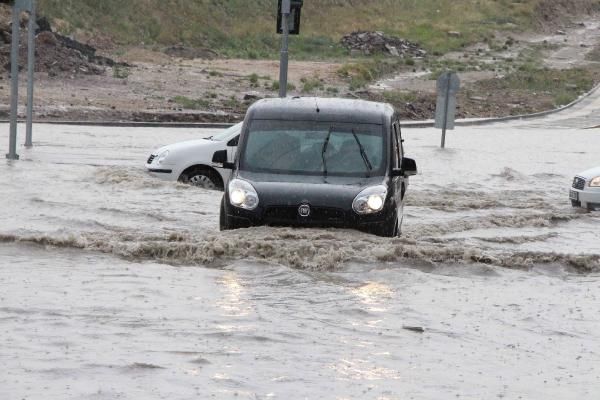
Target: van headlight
[[595, 182], [242, 194], [163, 156], [370, 200]]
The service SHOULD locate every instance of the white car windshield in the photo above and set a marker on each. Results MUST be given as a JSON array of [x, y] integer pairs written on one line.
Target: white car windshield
[[227, 133], [315, 148]]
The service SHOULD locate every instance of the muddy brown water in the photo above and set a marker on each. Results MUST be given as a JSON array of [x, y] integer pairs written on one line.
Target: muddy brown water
[[117, 285]]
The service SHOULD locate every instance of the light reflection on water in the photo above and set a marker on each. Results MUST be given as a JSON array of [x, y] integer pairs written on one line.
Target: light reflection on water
[[233, 301], [375, 295]]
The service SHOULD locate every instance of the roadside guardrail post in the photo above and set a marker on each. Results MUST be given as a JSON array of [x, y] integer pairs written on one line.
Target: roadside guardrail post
[[14, 83], [18, 6], [31, 28]]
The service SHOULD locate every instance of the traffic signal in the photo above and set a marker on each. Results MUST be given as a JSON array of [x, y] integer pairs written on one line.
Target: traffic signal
[[295, 11]]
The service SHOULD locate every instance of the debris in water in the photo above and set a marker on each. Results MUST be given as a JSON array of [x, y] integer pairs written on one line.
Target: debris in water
[[417, 329]]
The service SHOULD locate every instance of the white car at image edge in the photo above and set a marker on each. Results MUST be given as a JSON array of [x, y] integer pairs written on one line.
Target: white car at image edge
[[585, 191], [191, 161]]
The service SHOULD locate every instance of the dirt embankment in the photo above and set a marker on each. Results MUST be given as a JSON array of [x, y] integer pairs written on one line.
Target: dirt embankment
[[551, 14], [181, 84], [56, 55]]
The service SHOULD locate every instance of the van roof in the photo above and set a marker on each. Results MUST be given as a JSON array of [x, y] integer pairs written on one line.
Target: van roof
[[321, 109]]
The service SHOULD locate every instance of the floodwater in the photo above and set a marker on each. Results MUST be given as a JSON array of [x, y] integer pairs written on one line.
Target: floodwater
[[114, 285]]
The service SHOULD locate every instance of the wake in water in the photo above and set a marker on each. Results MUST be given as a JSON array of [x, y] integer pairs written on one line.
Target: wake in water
[[306, 248], [443, 226]]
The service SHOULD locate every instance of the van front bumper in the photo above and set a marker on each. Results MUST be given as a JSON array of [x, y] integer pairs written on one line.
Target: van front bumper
[[320, 217]]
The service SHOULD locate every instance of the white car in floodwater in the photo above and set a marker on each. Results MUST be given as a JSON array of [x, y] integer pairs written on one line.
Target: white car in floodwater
[[191, 161], [586, 189]]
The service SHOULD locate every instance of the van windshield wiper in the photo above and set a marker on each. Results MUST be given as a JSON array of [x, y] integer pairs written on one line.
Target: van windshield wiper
[[363, 154], [324, 150]]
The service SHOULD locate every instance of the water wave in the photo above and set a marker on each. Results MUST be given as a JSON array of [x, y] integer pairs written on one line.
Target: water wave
[[309, 249], [449, 200], [522, 220]]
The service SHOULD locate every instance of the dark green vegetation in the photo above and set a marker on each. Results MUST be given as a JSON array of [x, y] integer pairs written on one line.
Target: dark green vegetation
[[246, 28]]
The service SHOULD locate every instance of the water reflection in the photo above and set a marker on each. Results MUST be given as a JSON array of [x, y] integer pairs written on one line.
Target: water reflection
[[375, 295], [233, 303], [357, 369]]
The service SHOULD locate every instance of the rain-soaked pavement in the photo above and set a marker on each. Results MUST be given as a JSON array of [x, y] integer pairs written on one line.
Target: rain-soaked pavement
[[114, 285]]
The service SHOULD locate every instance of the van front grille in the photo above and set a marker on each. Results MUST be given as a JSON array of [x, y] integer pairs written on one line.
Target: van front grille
[[317, 214]]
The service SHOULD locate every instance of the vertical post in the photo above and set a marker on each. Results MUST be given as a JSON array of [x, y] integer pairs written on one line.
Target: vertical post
[[283, 65], [446, 114], [14, 74], [30, 71]]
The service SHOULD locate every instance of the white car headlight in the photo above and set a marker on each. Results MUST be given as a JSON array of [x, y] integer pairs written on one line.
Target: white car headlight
[[595, 182], [242, 194], [162, 156], [370, 200]]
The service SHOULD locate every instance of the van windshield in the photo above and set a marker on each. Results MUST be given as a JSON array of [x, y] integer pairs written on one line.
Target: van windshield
[[314, 148]]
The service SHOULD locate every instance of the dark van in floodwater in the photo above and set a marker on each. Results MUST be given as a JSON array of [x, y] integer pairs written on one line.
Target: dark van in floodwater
[[314, 162]]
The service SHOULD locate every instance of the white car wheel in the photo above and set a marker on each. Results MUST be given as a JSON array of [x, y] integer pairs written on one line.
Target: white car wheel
[[202, 181], [203, 178]]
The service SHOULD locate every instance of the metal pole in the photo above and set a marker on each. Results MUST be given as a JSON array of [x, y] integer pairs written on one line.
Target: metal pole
[[14, 73], [446, 114], [283, 65], [30, 70]]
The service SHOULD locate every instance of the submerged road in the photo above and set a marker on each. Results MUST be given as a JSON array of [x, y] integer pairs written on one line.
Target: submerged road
[[114, 285]]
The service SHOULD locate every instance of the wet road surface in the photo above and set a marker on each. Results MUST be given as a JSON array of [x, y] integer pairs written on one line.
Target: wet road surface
[[117, 285]]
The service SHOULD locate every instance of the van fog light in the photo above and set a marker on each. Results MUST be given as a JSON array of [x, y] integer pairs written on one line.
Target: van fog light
[[370, 200], [242, 194]]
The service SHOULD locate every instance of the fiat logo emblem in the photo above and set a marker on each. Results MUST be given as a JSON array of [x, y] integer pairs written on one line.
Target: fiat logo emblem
[[304, 210]]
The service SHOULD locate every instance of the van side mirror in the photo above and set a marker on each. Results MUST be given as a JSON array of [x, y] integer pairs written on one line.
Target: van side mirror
[[409, 167], [220, 157]]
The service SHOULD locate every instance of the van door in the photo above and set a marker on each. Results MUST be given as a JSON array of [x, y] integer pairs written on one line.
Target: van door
[[398, 181]]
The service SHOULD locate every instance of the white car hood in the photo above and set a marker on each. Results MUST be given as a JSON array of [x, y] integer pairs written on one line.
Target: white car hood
[[187, 145], [590, 173]]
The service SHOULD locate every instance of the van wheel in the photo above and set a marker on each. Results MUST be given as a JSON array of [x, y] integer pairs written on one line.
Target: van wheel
[[203, 178]]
